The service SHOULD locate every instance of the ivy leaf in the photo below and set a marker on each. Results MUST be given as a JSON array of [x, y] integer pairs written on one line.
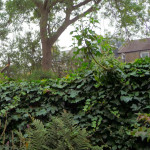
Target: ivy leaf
[[126, 98], [15, 117], [135, 107], [41, 112], [53, 109], [7, 98], [123, 92], [79, 86], [73, 93]]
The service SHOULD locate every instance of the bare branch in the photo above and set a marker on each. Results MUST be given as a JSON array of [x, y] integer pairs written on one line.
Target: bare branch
[[65, 24], [81, 4], [59, 31], [91, 9], [6, 67]]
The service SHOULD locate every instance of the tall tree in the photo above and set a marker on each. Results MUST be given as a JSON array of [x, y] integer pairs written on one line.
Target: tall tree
[[4, 21], [54, 16]]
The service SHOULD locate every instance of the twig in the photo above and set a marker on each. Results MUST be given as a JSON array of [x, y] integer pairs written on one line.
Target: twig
[[97, 62], [13, 146]]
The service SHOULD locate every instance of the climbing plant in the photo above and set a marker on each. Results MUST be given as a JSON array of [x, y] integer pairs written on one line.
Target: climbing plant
[[105, 103]]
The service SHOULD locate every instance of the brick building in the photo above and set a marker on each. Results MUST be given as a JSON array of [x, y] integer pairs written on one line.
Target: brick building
[[135, 49]]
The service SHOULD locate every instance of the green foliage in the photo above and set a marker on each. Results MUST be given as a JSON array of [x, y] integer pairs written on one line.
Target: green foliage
[[61, 134], [129, 15], [108, 61], [3, 22], [93, 48], [89, 43], [39, 75], [108, 69], [141, 130], [125, 18], [16, 10], [105, 102], [25, 58], [24, 53], [142, 127], [3, 78]]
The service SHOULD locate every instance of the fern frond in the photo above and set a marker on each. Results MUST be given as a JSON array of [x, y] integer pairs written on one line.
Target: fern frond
[[36, 135], [62, 134]]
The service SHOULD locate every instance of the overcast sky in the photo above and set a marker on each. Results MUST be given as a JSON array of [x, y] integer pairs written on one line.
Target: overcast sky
[[65, 40]]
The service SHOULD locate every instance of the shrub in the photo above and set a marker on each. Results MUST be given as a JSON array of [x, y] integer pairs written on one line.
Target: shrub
[[3, 78], [39, 75], [61, 133], [141, 130], [105, 103]]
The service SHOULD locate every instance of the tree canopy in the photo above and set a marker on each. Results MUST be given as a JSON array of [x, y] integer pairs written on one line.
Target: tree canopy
[[54, 16]]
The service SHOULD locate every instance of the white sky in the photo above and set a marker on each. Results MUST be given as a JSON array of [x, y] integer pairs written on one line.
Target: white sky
[[65, 40]]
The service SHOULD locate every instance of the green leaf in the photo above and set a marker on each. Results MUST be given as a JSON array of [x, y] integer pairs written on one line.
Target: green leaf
[[74, 93], [41, 112], [126, 98], [7, 98]]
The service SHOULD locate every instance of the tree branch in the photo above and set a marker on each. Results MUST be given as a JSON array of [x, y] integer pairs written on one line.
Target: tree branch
[[6, 67], [45, 4], [60, 30], [84, 13], [56, 24], [68, 13], [38, 3], [81, 4], [65, 24], [67, 21], [53, 3]]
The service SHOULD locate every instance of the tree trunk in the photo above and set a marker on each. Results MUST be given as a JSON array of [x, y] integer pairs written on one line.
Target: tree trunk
[[47, 56], [46, 44]]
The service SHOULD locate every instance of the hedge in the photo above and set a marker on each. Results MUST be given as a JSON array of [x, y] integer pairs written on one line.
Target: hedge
[[105, 103]]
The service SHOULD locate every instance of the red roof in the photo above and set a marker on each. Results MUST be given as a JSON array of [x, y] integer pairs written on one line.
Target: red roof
[[135, 45]]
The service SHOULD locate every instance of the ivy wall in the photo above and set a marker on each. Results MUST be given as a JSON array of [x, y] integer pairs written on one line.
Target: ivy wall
[[106, 103]]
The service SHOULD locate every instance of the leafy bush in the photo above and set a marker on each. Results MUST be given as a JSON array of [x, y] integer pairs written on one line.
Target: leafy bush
[[3, 78], [142, 127], [39, 75], [105, 103], [61, 134], [141, 130]]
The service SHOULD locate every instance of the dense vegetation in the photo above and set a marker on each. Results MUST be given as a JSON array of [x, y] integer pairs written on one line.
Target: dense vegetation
[[104, 101], [52, 100], [129, 17]]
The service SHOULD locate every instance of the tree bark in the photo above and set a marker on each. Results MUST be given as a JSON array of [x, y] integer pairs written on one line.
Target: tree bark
[[47, 56], [46, 44]]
